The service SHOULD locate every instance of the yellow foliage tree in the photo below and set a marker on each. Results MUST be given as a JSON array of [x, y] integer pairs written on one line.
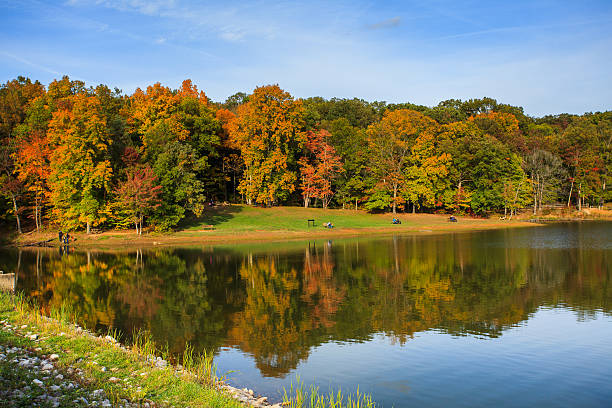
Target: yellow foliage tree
[[268, 130], [80, 161]]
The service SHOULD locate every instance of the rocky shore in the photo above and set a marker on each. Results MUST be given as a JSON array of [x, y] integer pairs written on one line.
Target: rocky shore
[[32, 376], [27, 379]]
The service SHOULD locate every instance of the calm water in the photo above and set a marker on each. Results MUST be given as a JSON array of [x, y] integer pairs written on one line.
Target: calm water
[[500, 318]]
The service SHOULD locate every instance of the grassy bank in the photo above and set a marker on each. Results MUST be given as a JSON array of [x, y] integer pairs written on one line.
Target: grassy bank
[[49, 361], [244, 223], [101, 363]]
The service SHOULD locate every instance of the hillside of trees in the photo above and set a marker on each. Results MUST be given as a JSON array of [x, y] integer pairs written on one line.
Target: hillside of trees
[[82, 158]]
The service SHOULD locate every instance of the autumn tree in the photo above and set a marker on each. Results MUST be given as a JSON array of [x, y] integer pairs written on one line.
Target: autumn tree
[[33, 170], [319, 168], [80, 165], [269, 132], [427, 173], [138, 195], [391, 141]]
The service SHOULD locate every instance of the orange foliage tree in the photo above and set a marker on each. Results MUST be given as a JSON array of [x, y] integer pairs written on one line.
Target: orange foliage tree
[[32, 168], [269, 133]]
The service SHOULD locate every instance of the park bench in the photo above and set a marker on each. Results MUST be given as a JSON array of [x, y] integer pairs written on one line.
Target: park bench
[[311, 222], [208, 227]]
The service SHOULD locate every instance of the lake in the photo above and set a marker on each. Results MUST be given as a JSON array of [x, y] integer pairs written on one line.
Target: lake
[[513, 317]]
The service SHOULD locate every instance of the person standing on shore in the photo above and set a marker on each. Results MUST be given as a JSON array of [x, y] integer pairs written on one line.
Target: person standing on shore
[[60, 236]]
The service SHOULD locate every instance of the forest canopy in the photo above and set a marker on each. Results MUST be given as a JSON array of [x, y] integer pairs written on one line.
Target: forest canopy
[[82, 157]]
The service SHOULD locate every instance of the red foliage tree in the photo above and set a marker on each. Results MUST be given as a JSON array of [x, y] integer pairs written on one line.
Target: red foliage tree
[[319, 168], [138, 195]]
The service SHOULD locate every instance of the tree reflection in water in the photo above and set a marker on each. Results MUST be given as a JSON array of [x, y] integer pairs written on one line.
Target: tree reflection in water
[[276, 303]]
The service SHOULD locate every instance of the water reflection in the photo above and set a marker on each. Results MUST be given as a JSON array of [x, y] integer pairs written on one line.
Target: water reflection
[[278, 302]]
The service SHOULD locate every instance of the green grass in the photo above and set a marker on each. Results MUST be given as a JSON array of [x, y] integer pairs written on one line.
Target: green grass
[[138, 378], [242, 218], [300, 397]]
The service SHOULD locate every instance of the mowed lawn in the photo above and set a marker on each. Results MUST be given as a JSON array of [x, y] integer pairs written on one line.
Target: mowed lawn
[[237, 218]]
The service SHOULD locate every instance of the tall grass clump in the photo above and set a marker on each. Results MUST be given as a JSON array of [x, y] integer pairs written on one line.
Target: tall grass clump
[[20, 303], [142, 343], [64, 314], [200, 365], [299, 397]]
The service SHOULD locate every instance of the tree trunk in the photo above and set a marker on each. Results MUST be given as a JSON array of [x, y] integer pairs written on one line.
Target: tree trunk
[[414, 207], [394, 197], [16, 213], [580, 196], [36, 216], [569, 198], [356, 205], [535, 199], [88, 227], [513, 209], [39, 211]]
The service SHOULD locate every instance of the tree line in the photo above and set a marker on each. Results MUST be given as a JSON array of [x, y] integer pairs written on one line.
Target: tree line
[[91, 157]]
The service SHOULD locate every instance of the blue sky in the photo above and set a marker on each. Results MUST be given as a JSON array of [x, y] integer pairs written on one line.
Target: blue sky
[[547, 56]]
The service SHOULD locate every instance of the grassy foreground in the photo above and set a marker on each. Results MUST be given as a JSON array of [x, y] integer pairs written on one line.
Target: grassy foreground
[[132, 376], [235, 223], [124, 374]]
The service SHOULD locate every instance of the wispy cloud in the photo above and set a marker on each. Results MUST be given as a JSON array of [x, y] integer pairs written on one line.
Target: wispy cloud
[[148, 7], [391, 22], [538, 27], [30, 63]]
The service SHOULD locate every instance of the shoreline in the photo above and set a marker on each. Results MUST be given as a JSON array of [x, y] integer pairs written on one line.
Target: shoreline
[[239, 223], [120, 239]]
